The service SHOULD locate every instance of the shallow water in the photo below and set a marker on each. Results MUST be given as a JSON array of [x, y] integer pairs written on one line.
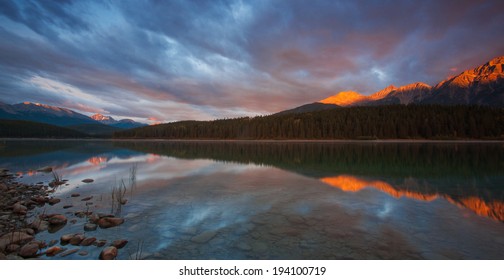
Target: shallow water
[[278, 200]]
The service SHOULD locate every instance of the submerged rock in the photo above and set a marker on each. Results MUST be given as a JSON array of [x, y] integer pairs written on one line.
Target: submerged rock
[[57, 220], [76, 239], [75, 195], [45, 169], [53, 201], [108, 222], [88, 241], [90, 227], [53, 251], [69, 252], [120, 243], [100, 243], [108, 253], [87, 181]]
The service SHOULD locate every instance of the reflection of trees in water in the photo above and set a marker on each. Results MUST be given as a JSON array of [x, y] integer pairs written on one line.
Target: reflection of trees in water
[[467, 175]]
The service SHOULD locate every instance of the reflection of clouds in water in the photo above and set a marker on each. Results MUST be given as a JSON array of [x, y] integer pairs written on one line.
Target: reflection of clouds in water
[[384, 212]]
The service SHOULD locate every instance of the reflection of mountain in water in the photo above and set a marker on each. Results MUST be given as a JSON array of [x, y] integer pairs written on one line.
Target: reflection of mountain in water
[[26, 156], [465, 174], [493, 209]]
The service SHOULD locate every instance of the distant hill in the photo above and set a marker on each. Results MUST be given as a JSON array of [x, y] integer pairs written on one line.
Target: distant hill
[[28, 129], [483, 85], [313, 107]]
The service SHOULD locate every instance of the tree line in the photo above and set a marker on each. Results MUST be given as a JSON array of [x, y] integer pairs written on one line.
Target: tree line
[[382, 122]]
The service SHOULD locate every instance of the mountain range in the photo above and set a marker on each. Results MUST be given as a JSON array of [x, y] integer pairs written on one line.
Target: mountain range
[[63, 117], [483, 85]]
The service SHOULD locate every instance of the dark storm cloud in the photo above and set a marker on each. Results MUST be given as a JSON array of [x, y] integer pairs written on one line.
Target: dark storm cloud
[[210, 59]]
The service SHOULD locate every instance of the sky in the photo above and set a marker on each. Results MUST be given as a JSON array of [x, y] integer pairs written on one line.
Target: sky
[[162, 61]]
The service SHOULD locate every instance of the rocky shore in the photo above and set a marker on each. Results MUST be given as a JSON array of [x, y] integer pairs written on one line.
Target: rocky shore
[[20, 223]]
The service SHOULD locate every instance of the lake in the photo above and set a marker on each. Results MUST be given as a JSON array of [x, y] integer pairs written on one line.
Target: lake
[[276, 200]]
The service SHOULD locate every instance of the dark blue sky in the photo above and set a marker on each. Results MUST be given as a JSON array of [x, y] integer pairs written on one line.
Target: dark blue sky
[[173, 60]]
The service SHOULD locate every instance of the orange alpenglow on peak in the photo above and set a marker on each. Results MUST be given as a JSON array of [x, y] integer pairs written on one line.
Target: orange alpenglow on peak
[[382, 93], [344, 98]]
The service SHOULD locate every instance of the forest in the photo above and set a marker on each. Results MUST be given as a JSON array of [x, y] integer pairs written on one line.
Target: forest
[[27, 129], [435, 122]]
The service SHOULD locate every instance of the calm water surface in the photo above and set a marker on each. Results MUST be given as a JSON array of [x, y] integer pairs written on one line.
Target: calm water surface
[[278, 200]]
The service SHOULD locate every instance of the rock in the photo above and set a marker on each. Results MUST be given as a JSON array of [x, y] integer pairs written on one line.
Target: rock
[[93, 218], [40, 199], [109, 222], [100, 243], [120, 243], [29, 231], [83, 253], [29, 250], [69, 252], [19, 209], [53, 201], [46, 169], [53, 242], [39, 225], [87, 181], [75, 195], [87, 198], [67, 206], [66, 238], [76, 239], [57, 220], [16, 237], [3, 257], [204, 236], [12, 248], [88, 241], [53, 251], [90, 227], [108, 253]]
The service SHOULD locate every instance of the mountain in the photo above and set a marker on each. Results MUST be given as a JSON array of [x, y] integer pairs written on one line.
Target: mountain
[[344, 98], [43, 113], [121, 124], [483, 85]]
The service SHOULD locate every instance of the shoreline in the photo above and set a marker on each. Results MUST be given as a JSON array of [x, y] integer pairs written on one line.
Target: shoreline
[[496, 141]]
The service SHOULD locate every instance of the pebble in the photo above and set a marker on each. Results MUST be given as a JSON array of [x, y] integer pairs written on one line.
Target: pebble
[[90, 227], [75, 195], [120, 243], [87, 198], [53, 251], [67, 206], [76, 239], [108, 222], [108, 253], [100, 243], [53, 201], [69, 252], [88, 241], [83, 253], [57, 220], [66, 238], [87, 181]]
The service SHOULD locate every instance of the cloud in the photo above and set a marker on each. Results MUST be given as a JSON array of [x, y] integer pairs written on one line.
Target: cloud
[[175, 60]]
